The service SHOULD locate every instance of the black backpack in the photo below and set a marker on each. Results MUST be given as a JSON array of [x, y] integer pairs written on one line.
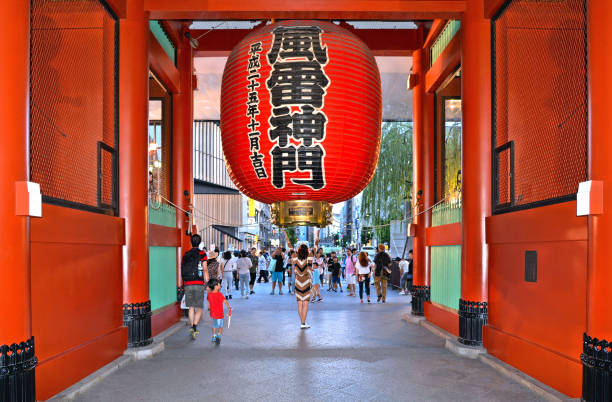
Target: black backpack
[[189, 265]]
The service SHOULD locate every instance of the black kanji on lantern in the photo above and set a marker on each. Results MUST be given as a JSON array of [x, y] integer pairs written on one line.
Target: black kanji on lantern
[[283, 160], [253, 110], [297, 83], [290, 42], [302, 159], [297, 79]]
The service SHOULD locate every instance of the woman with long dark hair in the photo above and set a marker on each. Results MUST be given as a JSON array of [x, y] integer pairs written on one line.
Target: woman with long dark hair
[[302, 269], [364, 272]]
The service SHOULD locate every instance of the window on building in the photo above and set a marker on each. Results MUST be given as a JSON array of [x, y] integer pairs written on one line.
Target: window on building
[[448, 140], [160, 141]]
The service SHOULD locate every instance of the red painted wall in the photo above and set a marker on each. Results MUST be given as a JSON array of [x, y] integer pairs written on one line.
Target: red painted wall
[[443, 317], [76, 295], [537, 327]]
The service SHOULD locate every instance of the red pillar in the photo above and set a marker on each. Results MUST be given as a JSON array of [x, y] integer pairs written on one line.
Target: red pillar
[[15, 302], [476, 170], [599, 273], [420, 289], [182, 147], [133, 165]]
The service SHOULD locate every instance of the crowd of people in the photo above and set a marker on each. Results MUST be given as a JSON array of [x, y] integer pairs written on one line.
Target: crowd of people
[[303, 271]]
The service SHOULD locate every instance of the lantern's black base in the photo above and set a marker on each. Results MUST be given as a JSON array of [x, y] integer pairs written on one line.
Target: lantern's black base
[[137, 317], [420, 294], [472, 317], [17, 372], [596, 369]]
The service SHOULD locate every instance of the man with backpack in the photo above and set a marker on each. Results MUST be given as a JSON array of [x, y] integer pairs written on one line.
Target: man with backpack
[[193, 283], [382, 273]]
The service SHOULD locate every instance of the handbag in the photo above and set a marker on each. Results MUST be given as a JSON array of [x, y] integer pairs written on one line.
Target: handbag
[[272, 265]]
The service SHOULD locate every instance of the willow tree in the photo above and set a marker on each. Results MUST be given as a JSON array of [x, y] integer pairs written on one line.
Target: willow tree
[[384, 199]]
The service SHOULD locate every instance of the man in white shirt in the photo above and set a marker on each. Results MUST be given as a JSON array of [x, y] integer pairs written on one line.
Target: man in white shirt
[[263, 267]]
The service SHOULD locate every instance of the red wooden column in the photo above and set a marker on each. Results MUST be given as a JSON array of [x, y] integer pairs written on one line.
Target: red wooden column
[[15, 305], [595, 386], [475, 169], [133, 166], [182, 147], [420, 288]]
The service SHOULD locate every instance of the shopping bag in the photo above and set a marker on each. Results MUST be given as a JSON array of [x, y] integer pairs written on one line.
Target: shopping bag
[[183, 305]]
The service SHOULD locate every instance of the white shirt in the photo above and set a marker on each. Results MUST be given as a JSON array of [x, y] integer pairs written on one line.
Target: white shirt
[[361, 270], [263, 263], [243, 265], [403, 266], [232, 264]]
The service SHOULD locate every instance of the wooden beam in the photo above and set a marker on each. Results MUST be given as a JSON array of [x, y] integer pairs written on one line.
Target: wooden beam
[[446, 63], [118, 7], [436, 28], [382, 42], [162, 66], [491, 7], [306, 9]]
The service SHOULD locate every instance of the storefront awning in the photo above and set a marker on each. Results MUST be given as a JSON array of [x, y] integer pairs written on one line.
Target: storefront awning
[[230, 231]]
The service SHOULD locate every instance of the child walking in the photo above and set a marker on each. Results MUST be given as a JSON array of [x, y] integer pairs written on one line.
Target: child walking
[[215, 301], [316, 283]]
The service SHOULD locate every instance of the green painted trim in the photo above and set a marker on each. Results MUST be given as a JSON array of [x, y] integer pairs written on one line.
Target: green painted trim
[[446, 275], [449, 31], [162, 276], [162, 214], [445, 213], [163, 39]]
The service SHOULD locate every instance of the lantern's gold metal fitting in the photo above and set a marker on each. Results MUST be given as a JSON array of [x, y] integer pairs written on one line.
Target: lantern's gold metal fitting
[[301, 213]]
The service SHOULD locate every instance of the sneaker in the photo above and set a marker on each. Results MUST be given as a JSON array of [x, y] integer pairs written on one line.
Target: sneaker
[[378, 299], [303, 326], [226, 297], [272, 293], [320, 299], [341, 290], [218, 340], [362, 301], [384, 301], [252, 293], [230, 296], [306, 326], [368, 300]]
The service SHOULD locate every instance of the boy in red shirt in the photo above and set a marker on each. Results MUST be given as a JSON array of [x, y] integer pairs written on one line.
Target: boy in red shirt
[[215, 302]]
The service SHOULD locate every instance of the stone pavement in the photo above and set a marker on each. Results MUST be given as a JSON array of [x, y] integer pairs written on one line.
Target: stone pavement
[[352, 352]]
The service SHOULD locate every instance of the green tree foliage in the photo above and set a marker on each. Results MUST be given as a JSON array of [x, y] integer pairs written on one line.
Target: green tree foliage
[[452, 159], [385, 197], [292, 234]]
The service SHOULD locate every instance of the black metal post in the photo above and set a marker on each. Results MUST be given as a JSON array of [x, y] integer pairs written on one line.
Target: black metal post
[[137, 317], [472, 317], [420, 294], [596, 369], [17, 372]]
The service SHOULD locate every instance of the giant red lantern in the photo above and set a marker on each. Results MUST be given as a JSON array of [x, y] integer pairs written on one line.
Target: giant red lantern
[[301, 111]]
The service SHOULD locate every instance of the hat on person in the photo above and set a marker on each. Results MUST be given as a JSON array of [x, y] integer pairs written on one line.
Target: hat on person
[[397, 259], [212, 254]]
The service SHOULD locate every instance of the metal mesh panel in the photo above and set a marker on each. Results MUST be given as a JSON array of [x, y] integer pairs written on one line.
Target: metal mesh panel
[[540, 103], [73, 103]]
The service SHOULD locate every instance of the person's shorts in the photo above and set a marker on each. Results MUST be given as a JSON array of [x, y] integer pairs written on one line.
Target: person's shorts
[[194, 296], [350, 280], [277, 276], [335, 279], [217, 322]]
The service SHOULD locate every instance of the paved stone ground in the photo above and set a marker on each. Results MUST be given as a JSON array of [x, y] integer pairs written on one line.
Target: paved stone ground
[[353, 352]]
